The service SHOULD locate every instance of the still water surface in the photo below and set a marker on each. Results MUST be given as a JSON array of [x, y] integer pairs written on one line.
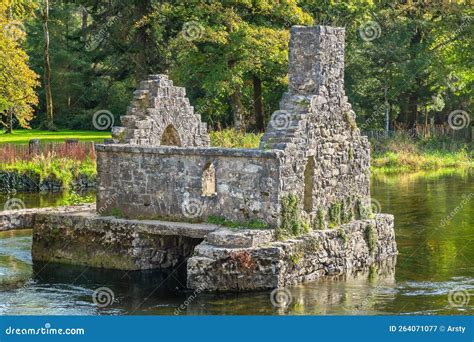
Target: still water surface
[[434, 272]]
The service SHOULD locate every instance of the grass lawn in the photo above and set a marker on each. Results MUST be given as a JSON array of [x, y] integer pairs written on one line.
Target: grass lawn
[[23, 136]]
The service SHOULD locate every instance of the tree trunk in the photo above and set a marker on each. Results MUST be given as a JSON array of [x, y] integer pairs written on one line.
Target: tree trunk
[[144, 43], [258, 104], [412, 110], [9, 126], [387, 111], [237, 109], [47, 69], [84, 25]]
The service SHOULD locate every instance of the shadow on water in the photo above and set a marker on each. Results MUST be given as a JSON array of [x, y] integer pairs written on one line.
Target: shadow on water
[[130, 290]]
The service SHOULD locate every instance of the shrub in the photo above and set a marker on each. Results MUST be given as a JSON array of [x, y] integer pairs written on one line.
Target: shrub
[[231, 138]]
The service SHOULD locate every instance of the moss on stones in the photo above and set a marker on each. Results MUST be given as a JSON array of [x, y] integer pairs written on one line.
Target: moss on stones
[[371, 238], [291, 223], [343, 235], [318, 222], [250, 224], [334, 215], [296, 257]]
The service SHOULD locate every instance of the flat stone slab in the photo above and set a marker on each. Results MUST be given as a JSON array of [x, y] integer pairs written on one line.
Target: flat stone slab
[[240, 238], [93, 222], [24, 218], [107, 242]]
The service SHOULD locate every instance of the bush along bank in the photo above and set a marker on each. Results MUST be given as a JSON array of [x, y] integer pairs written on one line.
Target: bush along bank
[[47, 174]]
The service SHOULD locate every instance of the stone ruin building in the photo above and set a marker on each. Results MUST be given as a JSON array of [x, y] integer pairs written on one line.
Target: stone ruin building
[[311, 148], [161, 187]]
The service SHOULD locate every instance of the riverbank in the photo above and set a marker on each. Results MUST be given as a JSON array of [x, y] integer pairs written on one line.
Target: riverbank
[[402, 153], [47, 173], [76, 169], [408, 162]]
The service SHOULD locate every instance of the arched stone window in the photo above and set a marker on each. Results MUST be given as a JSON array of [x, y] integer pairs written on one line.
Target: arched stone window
[[208, 180], [308, 185], [170, 137]]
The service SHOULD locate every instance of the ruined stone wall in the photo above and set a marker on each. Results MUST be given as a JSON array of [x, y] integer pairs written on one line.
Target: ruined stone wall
[[173, 183], [105, 242], [227, 263], [326, 159], [316, 149], [160, 114]]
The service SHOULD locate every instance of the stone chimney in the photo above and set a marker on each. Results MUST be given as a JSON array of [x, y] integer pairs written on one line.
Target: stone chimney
[[316, 61]]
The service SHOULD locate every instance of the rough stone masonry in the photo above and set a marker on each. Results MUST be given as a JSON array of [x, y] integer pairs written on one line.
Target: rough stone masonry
[[309, 180]]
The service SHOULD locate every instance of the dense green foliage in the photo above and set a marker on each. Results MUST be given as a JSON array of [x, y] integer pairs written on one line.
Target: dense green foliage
[[64, 170], [401, 153], [18, 81], [232, 56], [250, 224]]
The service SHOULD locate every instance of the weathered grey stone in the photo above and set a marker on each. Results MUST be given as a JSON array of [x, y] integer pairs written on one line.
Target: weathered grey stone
[[25, 218], [161, 115], [108, 242], [240, 237], [286, 263], [317, 123], [166, 183]]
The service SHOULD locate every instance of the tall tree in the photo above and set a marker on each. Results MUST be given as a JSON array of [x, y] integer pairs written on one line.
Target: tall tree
[[232, 54], [47, 68]]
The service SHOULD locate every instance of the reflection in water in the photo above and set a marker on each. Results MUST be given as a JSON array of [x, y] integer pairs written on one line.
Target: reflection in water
[[435, 260], [43, 199]]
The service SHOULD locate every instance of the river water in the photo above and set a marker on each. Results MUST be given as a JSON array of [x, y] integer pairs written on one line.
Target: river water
[[434, 272]]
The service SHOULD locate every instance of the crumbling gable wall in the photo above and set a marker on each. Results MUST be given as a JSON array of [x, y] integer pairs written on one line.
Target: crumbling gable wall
[[326, 159], [160, 114]]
